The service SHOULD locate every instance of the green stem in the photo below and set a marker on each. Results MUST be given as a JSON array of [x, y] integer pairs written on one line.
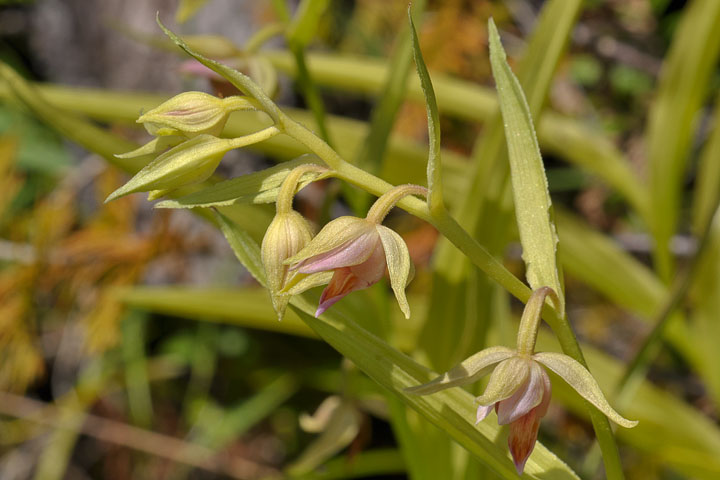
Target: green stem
[[310, 92], [256, 137]]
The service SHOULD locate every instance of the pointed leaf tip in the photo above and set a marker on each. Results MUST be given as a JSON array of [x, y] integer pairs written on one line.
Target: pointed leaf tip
[[434, 167]]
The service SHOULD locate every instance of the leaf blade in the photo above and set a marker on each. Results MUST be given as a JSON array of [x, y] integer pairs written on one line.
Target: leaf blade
[[532, 199]]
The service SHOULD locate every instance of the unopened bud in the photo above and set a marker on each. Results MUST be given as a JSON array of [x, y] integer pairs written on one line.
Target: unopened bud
[[190, 162], [287, 234], [191, 114]]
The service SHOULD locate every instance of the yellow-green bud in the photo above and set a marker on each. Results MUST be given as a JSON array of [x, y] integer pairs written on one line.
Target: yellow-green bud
[[190, 162], [287, 234], [191, 114]]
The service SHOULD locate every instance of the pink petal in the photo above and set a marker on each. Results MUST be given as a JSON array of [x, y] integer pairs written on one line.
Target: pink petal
[[352, 252], [349, 279], [524, 430], [547, 390], [526, 398], [193, 67], [482, 412]]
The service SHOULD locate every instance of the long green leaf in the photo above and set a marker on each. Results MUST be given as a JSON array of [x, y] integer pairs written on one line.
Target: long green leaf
[[532, 199], [672, 438], [707, 191], [683, 86]]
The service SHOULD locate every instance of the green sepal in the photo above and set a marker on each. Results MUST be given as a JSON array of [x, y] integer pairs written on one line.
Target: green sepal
[[583, 382], [469, 370], [505, 380], [399, 265]]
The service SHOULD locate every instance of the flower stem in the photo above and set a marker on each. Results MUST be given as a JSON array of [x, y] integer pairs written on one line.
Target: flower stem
[[283, 203], [531, 317], [389, 199]]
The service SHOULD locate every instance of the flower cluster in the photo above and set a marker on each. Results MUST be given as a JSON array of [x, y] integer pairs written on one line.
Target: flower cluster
[[187, 148]]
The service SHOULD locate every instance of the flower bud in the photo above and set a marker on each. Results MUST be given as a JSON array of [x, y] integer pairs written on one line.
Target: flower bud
[[287, 234], [190, 162], [191, 114]]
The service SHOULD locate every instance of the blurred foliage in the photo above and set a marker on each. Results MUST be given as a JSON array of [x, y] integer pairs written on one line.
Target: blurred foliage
[[105, 374]]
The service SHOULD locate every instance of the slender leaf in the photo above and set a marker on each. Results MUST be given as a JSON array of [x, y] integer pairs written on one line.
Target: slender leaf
[[707, 191], [600, 263], [683, 86], [246, 249], [532, 199], [257, 187], [304, 24], [434, 179]]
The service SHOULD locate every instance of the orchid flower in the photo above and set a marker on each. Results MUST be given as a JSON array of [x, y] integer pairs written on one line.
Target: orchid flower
[[519, 386], [357, 251]]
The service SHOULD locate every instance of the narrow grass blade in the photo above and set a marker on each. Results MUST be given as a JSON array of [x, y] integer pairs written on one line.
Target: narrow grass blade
[[707, 191], [684, 81], [603, 265]]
